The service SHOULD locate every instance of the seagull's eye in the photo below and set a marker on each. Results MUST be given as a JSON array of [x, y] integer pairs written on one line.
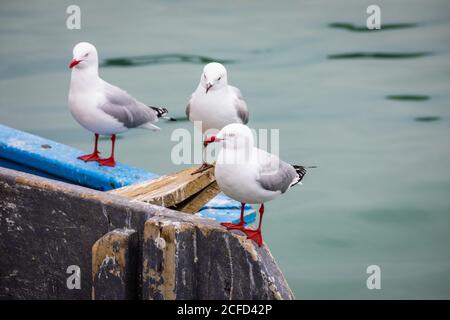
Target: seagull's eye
[[219, 78], [86, 55], [204, 76]]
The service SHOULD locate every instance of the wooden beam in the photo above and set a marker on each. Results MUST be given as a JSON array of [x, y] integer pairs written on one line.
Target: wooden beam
[[181, 190], [194, 203]]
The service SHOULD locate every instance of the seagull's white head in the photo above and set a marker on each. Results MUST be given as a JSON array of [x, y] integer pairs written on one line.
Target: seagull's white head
[[84, 56], [235, 136], [214, 76]]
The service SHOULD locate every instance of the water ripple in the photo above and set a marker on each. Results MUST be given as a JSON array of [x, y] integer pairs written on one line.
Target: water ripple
[[378, 55], [408, 97], [354, 28], [160, 59], [427, 119]]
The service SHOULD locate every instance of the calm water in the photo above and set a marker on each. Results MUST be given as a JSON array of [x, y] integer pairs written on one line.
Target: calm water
[[371, 109]]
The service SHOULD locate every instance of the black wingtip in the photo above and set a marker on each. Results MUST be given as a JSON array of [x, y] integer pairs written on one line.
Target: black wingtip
[[301, 172], [162, 113]]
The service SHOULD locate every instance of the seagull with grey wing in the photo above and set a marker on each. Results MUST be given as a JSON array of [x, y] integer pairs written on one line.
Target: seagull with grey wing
[[251, 175], [102, 108], [215, 103]]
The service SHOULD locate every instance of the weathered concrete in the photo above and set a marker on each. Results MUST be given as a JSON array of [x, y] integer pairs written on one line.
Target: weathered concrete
[[200, 260], [46, 226], [115, 259]]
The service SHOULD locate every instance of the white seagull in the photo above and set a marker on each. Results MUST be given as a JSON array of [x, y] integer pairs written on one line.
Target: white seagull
[[250, 175], [215, 104], [102, 108]]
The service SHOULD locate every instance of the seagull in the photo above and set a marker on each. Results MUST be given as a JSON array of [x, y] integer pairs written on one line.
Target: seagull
[[215, 104], [102, 108], [250, 175]]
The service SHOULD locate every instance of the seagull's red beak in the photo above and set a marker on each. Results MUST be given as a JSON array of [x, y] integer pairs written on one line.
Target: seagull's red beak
[[211, 140], [208, 86], [73, 63]]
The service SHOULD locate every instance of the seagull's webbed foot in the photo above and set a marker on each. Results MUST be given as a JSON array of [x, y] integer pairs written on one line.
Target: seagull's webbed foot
[[90, 157], [205, 166], [254, 235], [231, 226], [108, 162]]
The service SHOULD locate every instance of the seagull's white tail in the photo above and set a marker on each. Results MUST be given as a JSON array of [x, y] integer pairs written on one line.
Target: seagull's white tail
[[150, 126]]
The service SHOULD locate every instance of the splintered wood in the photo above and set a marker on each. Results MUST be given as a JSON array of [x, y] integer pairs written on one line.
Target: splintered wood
[[181, 190]]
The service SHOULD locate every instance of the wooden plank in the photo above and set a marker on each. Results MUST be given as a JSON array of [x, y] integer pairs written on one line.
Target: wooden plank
[[194, 203], [179, 190], [115, 266]]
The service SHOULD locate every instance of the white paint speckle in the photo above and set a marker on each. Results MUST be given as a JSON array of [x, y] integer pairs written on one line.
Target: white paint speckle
[[10, 222], [160, 243], [11, 205], [19, 144]]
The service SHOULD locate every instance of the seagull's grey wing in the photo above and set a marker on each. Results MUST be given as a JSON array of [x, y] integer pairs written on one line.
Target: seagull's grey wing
[[127, 110], [241, 105], [275, 174]]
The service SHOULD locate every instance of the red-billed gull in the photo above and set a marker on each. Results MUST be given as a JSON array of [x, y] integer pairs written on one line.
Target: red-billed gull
[[250, 175], [215, 104], [102, 108]]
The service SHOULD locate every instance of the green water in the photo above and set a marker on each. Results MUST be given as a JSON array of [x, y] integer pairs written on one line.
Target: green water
[[370, 109]]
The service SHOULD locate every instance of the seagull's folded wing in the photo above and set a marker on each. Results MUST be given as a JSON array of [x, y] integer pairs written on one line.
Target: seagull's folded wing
[[275, 174], [241, 105], [127, 110]]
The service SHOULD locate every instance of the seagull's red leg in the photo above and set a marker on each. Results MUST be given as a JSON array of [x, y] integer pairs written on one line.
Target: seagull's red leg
[[109, 162], [255, 235], [94, 156], [205, 166], [240, 224]]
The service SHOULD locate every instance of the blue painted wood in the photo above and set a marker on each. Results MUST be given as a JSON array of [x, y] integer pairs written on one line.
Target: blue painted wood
[[33, 154], [18, 167], [60, 160], [222, 208]]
